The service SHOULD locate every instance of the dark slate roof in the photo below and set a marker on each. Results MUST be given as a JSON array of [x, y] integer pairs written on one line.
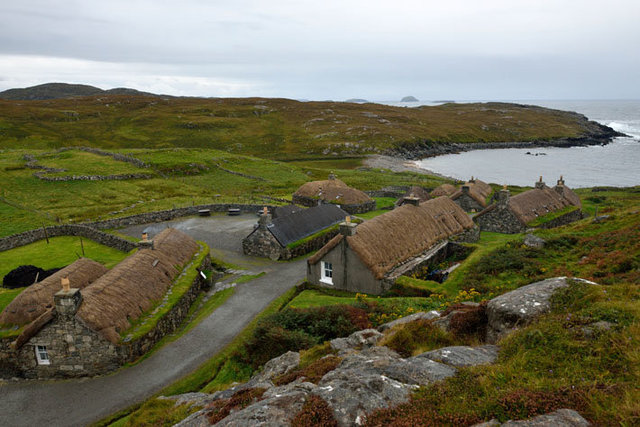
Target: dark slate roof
[[281, 211], [298, 225]]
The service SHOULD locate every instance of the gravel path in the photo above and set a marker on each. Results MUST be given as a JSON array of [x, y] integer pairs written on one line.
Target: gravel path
[[79, 402]]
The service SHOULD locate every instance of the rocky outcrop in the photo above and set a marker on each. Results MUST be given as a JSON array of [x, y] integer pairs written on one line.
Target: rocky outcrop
[[559, 418], [534, 241], [461, 356], [520, 307], [411, 318]]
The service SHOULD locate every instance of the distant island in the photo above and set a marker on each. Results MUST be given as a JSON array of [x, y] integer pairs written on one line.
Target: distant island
[[409, 99], [357, 100]]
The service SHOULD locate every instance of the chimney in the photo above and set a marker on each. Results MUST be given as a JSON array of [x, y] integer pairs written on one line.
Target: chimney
[[410, 200], [265, 218], [472, 180], [67, 300], [332, 177], [347, 228], [145, 243], [560, 187], [503, 196], [540, 185], [465, 189]]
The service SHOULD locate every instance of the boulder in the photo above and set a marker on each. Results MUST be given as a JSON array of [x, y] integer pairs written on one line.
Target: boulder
[[411, 318], [521, 306], [277, 410], [534, 241], [356, 341], [191, 399], [460, 356], [279, 366], [559, 418]]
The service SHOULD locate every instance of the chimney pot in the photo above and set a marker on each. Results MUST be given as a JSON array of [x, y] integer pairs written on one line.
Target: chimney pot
[[66, 285]]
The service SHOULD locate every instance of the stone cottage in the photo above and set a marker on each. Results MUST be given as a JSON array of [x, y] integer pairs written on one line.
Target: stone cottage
[[515, 214], [335, 192], [71, 323], [472, 195], [272, 237], [415, 191], [369, 257]]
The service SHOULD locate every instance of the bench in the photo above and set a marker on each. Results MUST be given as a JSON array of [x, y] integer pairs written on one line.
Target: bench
[[233, 211], [204, 212]]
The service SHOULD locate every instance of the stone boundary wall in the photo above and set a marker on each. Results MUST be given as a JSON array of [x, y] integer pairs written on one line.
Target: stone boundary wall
[[309, 246], [91, 231], [565, 219], [101, 237], [170, 322], [116, 156], [42, 176], [244, 175]]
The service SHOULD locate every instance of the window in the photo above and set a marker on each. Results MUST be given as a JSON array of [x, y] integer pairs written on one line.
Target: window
[[41, 355], [326, 273]]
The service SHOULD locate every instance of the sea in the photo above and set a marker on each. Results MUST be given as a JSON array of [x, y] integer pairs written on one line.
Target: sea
[[614, 164]]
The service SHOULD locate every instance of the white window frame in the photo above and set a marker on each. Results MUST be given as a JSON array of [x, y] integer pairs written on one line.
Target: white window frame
[[326, 267], [42, 356]]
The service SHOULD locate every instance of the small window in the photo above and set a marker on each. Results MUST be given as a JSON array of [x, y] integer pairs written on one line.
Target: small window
[[326, 273], [41, 355]]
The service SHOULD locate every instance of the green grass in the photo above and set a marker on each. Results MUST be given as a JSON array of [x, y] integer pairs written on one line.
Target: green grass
[[60, 252], [248, 277], [77, 162], [147, 321], [7, 295]]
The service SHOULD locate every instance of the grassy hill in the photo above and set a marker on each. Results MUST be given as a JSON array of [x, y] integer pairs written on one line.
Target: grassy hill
[[280, 129]]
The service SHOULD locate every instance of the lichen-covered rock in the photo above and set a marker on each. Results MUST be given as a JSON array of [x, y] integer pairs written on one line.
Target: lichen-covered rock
[[277, 410], [417, 371], [279, 366], [191, 399], [411, 318], [533, 241], [356, 341], [460, 356], [521, 306], [559, 418]]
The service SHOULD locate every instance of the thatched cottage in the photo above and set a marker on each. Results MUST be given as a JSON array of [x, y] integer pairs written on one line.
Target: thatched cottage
[[443, 190], [77, 330], [273, 238], [541, 206], [472, 195], [370, 257], [335, 192], [415, 191]]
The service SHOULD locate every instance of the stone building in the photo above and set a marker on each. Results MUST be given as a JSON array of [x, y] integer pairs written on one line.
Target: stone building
[[370, 257], [71, 323], [472, 195], [272, 237], [516, 214], [415, 191], [335, 192]]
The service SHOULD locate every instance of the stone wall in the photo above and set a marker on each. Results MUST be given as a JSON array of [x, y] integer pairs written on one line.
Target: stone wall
[[170, 322], [565, 219], [261, 243], [31, 236], [121, 177], [468, 203], [499, 220], [471, 235], [310, 245], [77, 351]]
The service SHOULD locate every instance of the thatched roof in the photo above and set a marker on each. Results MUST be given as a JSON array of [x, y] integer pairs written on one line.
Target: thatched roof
[[443, 190], [135, 285], [478, 191], [332, 191], [385, 241], [38, 298], [568, 194], [414, 191], [533, 203]]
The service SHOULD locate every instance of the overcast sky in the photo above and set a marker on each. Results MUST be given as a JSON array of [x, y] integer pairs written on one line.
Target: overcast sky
[[377, 50]]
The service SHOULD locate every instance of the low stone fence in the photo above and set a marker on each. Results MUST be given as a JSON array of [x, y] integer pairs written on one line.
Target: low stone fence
[[565, 219], [121, 177], [116, 156], [170, 322], [31, 236]]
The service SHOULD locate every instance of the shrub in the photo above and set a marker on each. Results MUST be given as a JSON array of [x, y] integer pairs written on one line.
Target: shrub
[[312, 373], [469, 321], [314, 412], [240, 400], [522, 404], [412, 336]]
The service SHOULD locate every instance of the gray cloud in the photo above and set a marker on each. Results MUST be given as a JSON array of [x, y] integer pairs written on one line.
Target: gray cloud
[[372, 49]]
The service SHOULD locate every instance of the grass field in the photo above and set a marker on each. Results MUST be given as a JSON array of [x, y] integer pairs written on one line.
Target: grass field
[[269, 128]]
